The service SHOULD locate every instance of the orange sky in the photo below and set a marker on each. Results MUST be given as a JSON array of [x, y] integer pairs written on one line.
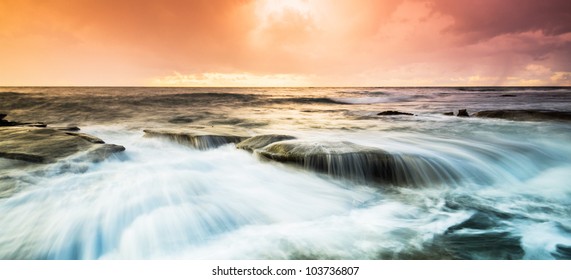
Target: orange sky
[[285, 43]]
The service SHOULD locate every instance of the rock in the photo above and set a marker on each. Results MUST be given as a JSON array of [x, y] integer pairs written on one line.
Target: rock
[[45, 145], [4, 122], [101, 152], [86, 137], [508, 95], [202, 140], [260, 141], [359, 163], [38, 124], [8, 123], [462, 113], [449, 114], [66, 128], [393, 113], [181, 120], [493, 244], [526, 115], [562, 252]]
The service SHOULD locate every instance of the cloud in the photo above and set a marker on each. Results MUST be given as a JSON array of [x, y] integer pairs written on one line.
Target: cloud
[[335, 42], [561, 78], [485, 19], [231, 80]]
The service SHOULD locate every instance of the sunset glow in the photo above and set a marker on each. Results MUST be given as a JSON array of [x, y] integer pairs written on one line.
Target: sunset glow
[[285, 43]]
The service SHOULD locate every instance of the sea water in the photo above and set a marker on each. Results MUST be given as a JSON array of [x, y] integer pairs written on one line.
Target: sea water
[[509, 197]]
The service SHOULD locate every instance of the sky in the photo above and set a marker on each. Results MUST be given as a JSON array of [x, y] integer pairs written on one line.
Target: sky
[[285, 43]]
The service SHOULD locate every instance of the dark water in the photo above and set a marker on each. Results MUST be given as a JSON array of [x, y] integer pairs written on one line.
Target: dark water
[[509, 197]]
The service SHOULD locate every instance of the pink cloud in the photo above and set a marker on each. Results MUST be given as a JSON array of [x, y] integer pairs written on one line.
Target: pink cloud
[[335, 42]]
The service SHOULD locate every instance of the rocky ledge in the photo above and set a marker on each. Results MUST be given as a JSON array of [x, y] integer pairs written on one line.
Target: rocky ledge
[[202, 140], [260, 141], [46, 145], [526, 115], [344, 160], [360, 163], [394, 113], [42, 144]]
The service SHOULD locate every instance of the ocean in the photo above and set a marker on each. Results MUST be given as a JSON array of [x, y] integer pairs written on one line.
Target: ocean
[[482, 188]]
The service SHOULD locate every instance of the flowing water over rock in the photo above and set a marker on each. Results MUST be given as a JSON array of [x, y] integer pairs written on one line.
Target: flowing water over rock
[[291, 173]]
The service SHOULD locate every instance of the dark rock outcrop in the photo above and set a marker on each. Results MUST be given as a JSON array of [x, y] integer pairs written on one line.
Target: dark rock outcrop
[[260, 141], [562, 252], [359, 163], [449, 114], [202, 140], [393, 113], [526, 115], [45, 145], [66, 128], [181, 120], [4, 122], [463, 113], [86, 137]]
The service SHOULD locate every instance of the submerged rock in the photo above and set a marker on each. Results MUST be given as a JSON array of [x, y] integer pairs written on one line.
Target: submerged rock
[[359, 163], [181, 120], [4, 122], [45, 145], [526, 115], [478, 245], [462, 113], [393, 113], [562, 252], [449, 114], [86, 137], [260, 141], [38, 124], [66, 128], [202, 140]]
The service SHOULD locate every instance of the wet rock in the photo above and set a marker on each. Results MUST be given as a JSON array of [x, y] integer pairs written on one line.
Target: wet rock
[[7, 123], [66, 128], [359, 163], [449, 114], [479, 220], [101, 152], [492, 245], [393, 113], [4, 122], [562, 252], [181, 120], [526, 115], [508, 95], [462, 113], [38, 124], [86, 137], [45, 145], [202, 140], [260, 141]]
